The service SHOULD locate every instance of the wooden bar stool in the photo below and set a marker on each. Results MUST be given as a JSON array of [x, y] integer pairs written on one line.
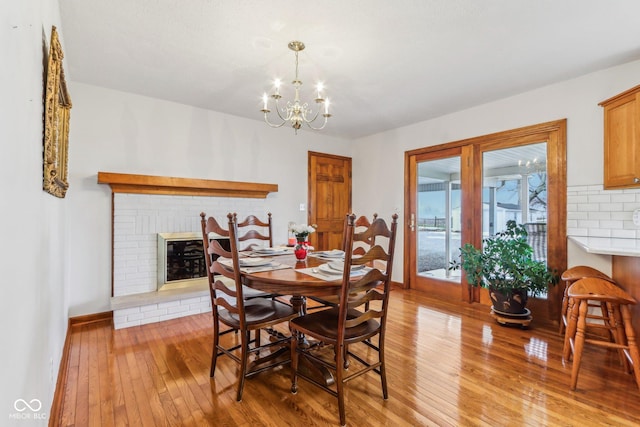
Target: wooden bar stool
[[617, 303], [568, 277]]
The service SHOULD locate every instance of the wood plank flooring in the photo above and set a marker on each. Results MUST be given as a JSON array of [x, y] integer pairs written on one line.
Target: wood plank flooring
[[448, 365]]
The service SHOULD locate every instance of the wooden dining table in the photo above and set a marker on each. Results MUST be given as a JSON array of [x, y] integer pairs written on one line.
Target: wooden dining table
[[289, 281]]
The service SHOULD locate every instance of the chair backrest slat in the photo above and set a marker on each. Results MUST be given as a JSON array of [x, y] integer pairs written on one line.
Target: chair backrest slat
[[228, 293], [375, 285], [256, 230]]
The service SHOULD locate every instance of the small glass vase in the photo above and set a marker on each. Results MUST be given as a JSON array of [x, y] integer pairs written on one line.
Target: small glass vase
[[301, 249]]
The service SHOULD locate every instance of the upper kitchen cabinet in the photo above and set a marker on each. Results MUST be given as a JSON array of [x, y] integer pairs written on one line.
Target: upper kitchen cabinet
[[622, 139]]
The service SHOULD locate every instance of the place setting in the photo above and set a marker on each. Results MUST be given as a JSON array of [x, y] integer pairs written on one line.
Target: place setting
[[334, 254], [333, 270], [269, 251], [254, 264]]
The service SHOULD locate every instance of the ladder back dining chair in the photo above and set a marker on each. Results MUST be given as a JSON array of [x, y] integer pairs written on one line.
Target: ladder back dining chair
[[356, 327], [232, 309]]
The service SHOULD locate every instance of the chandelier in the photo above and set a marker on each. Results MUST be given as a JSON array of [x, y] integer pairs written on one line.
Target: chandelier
[[296, 112]]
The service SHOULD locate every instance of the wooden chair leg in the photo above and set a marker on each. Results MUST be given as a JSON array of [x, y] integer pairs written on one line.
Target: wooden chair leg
[[563, 313], [244, 359], [257, 341], [579, 342], [383, 370], [572, 315], [634, 354], [214, 351], [339, 352], [294, 362], [618, 332]]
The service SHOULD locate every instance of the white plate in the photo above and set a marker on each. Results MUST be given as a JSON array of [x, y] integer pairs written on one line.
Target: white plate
[[339, 266], [253, 262], [336, 253], [325, 268], [270, 251]]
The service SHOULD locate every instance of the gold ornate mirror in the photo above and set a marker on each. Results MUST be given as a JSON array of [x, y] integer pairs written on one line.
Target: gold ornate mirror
[[57, 107]]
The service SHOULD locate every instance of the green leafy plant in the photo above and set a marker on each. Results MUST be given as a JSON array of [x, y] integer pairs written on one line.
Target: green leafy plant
[[505, 263]]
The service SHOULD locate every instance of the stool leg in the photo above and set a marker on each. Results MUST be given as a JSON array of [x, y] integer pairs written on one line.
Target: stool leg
[[572, 316], [579, 342], [634, 354], [609, 319], [563, 312], [618, 332]]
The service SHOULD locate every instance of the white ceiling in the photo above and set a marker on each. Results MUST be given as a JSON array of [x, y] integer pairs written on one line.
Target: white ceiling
[[385, 63]]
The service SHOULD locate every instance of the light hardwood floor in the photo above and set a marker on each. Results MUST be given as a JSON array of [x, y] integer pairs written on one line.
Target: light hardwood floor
[[447, 365]]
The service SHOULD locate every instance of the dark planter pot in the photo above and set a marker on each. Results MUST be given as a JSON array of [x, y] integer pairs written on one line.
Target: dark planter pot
[[513, 303]]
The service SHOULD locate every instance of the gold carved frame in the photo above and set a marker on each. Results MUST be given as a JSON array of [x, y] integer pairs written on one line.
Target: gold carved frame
[[57, 107]]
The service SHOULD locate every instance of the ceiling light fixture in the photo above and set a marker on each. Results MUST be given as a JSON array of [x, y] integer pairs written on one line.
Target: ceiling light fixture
[[296, 113]]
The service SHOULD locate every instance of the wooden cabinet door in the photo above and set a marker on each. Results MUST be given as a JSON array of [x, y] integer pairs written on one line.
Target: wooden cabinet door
[[329, 198], [622, 140]]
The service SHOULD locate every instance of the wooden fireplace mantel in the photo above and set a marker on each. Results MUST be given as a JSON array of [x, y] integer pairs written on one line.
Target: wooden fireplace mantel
[[149, 184]]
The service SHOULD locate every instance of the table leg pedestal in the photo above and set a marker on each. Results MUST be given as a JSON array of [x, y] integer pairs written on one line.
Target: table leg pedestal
[[306, 367]]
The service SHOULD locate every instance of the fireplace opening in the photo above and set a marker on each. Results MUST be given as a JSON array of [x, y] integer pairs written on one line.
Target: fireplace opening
[[181, 260]]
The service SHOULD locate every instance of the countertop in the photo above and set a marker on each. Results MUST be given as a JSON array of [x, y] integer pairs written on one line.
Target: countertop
[[608, 245]]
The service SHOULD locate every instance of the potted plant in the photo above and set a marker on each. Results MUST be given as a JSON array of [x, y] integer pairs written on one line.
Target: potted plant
[[505, 265]]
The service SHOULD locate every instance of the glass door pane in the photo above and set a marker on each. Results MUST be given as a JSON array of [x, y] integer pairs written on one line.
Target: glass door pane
[[515, 188], [438, 219]]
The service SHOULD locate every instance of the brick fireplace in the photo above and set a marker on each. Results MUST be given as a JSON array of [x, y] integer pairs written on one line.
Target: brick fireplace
[[143, 207]]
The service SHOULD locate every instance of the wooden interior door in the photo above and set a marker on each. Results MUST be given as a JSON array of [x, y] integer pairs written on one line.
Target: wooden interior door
[[329, 198]]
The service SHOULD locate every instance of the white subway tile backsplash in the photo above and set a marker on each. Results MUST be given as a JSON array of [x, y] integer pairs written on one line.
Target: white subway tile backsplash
[[587, 207], [577, 199], [577, 215], [611, 207], [588, 224], [593, 211], [598, 215], [599, 198], [599, 232], [620, 215], [625, 234], [577, 232], [611, 224], [623, 198], [631, 206]]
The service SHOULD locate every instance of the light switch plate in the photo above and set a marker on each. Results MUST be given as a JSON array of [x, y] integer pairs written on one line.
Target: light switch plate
[[636, 217]]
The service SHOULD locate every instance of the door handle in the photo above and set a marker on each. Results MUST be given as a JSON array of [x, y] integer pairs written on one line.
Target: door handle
[[412, 222]]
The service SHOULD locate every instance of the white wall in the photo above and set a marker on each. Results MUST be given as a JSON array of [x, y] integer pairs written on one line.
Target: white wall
[[33, 257], [121, 132], [576, 99]]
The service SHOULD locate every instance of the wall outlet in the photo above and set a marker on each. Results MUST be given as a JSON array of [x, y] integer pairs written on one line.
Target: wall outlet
[[302, 207], [636, 217]]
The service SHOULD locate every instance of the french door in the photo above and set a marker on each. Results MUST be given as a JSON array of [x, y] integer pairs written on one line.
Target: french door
[[435, 221], [464, 191]]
